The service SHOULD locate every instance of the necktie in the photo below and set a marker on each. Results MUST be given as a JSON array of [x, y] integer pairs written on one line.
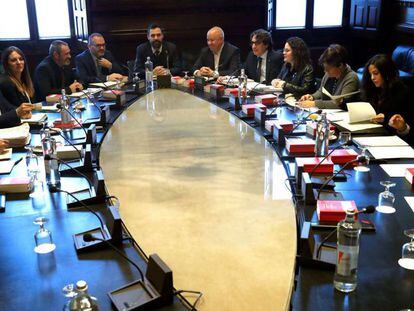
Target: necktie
[[157, 53], [259, 69]]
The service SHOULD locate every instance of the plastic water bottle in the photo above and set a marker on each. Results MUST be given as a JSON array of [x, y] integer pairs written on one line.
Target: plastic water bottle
[[64, 114], [82, 301], [50, 160], [242, 92], [149, 75], [349, 230], [322, 136]]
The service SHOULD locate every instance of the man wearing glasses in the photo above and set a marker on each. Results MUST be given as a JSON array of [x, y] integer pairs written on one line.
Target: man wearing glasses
[[97, 64], [263, 64]]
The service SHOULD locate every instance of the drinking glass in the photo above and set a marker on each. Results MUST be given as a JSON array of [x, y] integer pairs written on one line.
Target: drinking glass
[[32, 165], [407, 257], [135, 79], [43, 237], [186, 77], [363, 163], [344, 138], [386, 198], [298, 110]]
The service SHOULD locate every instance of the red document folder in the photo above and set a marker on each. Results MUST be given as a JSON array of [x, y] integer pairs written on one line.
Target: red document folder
[[334, 211]]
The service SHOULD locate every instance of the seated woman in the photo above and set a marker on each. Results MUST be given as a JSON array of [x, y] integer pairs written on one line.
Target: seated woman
[[15, 84], [296, 75], [339, 79], [382, 87]]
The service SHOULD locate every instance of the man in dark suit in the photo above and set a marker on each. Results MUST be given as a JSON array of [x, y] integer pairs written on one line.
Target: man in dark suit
[[97, 64], [163, 54], [263, 64], [220, 58], [54, 73]]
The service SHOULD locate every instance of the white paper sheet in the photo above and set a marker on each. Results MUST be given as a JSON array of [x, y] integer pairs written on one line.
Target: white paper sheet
[[36, 118], [360, 112], [410, 201], [379, 141], [396, 170], [357, 127], [392, 152]]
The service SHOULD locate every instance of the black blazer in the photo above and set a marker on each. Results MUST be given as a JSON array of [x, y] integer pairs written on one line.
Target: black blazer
[[229, 61], [274, 63], [11, 93], [49, 78], [297, 83], [9, 118], [169, 58], [86, 68]]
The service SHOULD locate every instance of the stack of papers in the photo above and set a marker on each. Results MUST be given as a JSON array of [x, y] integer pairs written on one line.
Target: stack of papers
[[357, 119], [379, 141], [36, 118], [17, 136], [405, 152], [105, 85]]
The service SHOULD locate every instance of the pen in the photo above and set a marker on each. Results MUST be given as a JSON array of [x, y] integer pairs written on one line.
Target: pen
[[16, 162]]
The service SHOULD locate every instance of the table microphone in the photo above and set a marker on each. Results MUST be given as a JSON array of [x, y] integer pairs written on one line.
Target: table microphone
[[366, 210], [89, 238], [319, 111], [348, 143]]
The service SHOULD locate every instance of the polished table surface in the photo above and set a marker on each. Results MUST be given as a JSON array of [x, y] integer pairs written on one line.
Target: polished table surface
[[207, 193]]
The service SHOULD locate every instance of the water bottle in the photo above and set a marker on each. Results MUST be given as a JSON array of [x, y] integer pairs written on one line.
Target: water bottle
[[64, 114], [242, 92], [349, 230], [82, 301], [322, 136], [50, 161], [149, 73]]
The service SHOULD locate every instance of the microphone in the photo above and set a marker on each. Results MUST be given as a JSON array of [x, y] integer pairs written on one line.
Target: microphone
[[359, 159], [319, 111], [59, 106], [90, 238], [366, 210], [348, 143]]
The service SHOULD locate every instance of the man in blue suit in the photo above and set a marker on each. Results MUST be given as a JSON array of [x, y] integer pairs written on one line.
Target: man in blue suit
[[97, 64]]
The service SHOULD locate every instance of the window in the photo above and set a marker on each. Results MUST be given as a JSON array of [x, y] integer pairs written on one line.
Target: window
[[290, 13], [328, 13], [14, 22], [52, 19]]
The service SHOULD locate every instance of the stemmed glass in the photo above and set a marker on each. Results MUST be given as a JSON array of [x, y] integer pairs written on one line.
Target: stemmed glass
[[407, 258], [186, 77], [363, 160], [298, 110], [43, 237], [386, 198], [135, 79]]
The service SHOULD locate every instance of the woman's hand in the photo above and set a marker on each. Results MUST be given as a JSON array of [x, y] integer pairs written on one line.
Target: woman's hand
[[398, 122]]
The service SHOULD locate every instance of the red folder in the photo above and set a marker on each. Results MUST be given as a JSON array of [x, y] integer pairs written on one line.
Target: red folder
[[309, 164], [297, 145], [249, 108], [342, 156], [267, 99], [409, 175], [333, 210]]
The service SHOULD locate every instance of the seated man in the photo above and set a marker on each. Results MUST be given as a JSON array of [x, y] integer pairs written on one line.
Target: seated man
[[163, 54], [54, 73], [220, 58], [263, 64], [97, 64]]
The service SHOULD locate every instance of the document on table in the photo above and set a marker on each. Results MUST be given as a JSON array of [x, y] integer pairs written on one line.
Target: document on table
[[405, 152], [105, 85], [334, 97], [36, 118], [357, 127], [6, 154], [360, 112], [379, 141], [335, 116], [410, 201], [396, 170]]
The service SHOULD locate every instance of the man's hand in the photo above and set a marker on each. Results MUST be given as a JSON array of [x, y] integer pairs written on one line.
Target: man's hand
[[114, 76], [206, 71], [3, 145], [76, 87], [160, 71], [306, 97], [24, 111], [105, 63], [307, 104]]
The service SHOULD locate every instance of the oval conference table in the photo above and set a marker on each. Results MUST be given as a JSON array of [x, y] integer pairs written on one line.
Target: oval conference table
[[204, 191]]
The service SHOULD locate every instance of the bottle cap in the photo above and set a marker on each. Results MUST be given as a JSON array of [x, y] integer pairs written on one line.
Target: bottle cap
[[81, 286]]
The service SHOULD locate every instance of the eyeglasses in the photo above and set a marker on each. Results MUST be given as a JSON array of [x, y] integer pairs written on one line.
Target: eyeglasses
[[100, 45]]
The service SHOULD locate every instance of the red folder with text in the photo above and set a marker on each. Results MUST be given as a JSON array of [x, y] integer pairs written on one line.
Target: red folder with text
[[329, 210]]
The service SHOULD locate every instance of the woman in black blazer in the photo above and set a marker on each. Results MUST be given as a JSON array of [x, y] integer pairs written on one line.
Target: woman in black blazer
[[296, 76], [15, 84], [382, 87]]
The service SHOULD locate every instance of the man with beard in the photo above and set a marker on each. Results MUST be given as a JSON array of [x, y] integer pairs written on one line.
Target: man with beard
[[54, 73], [219, 58], [97, 64], [163, 54]]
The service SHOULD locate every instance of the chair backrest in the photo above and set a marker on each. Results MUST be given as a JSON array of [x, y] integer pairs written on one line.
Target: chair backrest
[[130, 65], [403, 57]]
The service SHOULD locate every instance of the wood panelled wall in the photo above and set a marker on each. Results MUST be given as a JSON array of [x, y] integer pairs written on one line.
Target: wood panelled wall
[[124, 22]]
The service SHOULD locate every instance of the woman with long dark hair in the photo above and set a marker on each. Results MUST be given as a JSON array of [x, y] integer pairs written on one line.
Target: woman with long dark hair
[[296, 75], [15, 84], [382, 87]]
